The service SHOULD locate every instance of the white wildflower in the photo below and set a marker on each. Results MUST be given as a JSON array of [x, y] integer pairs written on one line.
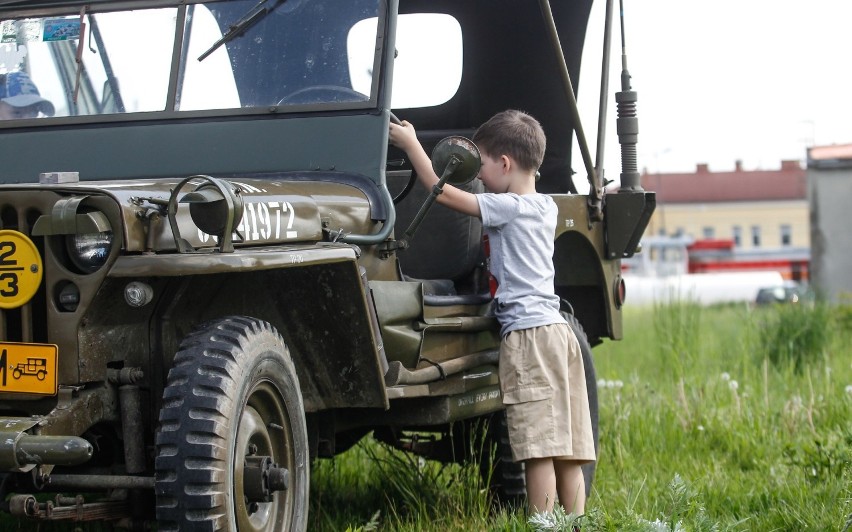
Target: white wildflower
[[610, 384], [849, 390], [733, 385], [557, 520], [726, 376], [619, 384], [700, 428], [660, 526], [797, 402], [601, 383]]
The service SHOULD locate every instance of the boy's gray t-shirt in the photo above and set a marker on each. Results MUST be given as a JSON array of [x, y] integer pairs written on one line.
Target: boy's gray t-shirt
[[520, 231]]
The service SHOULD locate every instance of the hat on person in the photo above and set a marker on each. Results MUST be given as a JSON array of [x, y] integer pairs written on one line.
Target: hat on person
[[18, 90]]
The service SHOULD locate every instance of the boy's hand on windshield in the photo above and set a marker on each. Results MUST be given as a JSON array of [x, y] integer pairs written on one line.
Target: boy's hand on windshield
[[403, 136]]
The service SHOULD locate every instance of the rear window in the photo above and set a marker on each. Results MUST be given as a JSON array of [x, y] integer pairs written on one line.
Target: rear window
[[428, 64]]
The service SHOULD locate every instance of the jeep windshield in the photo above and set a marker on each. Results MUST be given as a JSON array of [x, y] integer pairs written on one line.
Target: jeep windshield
[[82, 63]]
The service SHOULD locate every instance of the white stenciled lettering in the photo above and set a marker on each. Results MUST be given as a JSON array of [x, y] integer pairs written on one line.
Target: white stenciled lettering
[[480, 397], [263, 221], [466, 401]]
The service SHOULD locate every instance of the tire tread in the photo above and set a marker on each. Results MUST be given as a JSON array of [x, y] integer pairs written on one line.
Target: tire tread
[[192, 450]]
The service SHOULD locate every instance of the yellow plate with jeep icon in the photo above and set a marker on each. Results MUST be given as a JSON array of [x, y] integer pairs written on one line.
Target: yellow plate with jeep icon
[[20, 269], [28, 368]]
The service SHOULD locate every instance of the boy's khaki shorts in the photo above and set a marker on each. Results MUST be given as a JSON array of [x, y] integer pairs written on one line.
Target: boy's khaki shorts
[[544, 390]]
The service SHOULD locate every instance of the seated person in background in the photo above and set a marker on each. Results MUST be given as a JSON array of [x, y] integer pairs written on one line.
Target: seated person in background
[[19, 98]]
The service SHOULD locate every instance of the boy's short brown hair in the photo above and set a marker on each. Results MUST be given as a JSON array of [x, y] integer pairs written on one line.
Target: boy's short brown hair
[[513, 133]]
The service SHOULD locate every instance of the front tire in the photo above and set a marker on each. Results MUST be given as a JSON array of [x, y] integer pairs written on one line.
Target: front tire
[[232, 445]]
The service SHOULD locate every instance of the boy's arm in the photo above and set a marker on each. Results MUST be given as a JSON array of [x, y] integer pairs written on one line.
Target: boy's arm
[[404, 137]]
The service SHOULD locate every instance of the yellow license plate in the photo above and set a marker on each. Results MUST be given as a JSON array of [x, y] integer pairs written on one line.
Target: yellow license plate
[[28, 368]]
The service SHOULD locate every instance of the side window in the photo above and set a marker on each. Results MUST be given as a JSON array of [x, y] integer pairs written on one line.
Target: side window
[[786, 235], [428, 64], [755, 236]]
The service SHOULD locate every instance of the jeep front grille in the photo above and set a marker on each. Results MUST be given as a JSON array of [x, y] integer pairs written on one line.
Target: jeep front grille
[[29, 322]]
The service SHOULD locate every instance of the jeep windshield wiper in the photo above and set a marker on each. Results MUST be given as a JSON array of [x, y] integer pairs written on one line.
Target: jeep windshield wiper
[[248, 20]]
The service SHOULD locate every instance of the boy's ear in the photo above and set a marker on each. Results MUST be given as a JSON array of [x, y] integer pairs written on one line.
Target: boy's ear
[[506, 162]]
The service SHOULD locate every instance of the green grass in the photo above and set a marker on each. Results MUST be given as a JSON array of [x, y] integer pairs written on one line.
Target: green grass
[[706, 424]]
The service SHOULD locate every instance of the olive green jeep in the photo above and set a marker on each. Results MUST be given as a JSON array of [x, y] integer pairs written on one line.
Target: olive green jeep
[[214, 269]]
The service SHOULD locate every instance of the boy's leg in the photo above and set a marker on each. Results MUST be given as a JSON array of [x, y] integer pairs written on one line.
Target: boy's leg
[[541, 484], [571, 486]]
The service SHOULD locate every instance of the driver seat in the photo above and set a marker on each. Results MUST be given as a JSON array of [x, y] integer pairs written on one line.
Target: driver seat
[[446, 249]]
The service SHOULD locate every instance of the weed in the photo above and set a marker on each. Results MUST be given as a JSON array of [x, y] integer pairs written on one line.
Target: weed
[[371, 526], [796, 334], [822, 458], [556, 521], [678, 326]]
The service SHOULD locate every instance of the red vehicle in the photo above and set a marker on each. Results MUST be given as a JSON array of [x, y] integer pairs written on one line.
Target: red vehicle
[[719, 255]]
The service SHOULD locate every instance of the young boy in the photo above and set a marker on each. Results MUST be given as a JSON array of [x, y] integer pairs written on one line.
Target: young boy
[[541, 368]]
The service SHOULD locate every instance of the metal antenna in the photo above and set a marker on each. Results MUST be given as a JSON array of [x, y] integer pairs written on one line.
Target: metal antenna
[[604, 95], [627, 124]]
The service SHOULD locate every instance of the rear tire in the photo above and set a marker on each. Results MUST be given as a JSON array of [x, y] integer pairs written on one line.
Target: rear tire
[[232, 402], [591, 391], [507, 478]]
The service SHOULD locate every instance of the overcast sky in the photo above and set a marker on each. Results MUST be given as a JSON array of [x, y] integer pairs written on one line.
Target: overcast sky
[[721, 80]]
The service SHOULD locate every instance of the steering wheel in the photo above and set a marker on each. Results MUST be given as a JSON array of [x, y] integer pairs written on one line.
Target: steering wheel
[[323, 94]]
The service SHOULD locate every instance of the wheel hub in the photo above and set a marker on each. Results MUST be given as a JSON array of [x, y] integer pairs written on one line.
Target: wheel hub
[[262, 478]]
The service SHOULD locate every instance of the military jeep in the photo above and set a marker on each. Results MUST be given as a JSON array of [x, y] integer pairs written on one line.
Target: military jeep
[[214, 269]]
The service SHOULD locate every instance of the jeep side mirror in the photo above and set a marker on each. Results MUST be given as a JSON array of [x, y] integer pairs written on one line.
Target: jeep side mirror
[[456, 160]]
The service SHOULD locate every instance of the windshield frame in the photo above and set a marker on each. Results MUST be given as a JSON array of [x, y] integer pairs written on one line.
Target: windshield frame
[[18, 10]]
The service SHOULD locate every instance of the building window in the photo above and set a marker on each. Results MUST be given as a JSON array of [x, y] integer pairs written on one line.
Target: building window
[[755, 236], [786, 235], [708, 232], [737, 234]]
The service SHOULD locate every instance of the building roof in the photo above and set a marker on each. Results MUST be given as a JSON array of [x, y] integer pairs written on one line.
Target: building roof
[[834, 156], [704, 186]]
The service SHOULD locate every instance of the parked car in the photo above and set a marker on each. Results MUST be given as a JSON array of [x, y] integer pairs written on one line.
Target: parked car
[[788, 292]]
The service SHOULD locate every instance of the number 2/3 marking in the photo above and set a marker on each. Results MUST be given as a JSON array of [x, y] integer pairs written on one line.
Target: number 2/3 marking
[[8, 279], [20, 269]]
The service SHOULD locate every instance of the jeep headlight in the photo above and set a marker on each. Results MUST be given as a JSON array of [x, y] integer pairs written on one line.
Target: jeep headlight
[[89, 252]]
